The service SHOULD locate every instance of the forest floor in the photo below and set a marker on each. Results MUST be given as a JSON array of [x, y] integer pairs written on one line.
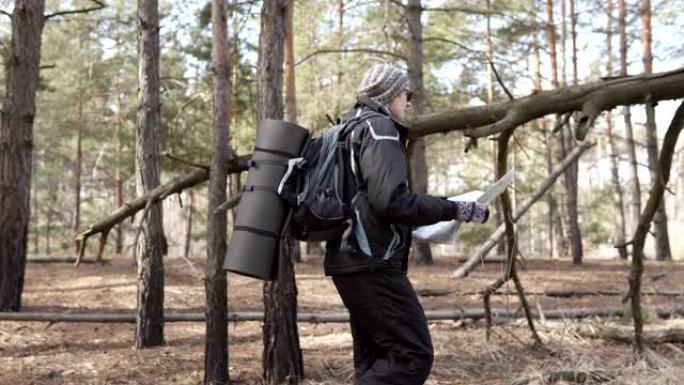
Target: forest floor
[[89, 353]]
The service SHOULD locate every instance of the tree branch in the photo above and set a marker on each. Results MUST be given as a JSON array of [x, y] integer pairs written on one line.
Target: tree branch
[[654, 199], [98, 5], [350, 50], [129, 209], [591, 99]]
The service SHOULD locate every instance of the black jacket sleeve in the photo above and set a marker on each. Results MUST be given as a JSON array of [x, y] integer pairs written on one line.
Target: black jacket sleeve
[[384, 171]]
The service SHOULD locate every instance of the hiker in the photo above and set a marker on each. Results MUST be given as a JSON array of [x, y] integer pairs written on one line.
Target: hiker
[[368, 264]]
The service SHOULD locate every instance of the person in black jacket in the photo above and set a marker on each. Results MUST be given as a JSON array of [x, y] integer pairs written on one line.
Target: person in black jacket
[[368, 263]]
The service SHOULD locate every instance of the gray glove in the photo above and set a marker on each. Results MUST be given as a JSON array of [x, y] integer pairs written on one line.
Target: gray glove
[[471, 212]]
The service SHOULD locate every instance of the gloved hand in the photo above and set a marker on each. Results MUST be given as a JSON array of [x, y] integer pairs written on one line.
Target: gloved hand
[[471, 212]]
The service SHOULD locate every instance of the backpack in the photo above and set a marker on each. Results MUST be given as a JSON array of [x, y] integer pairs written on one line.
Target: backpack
[[314, 184]]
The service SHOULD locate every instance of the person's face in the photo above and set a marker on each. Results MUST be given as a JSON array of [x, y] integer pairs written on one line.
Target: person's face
[[400, 104]]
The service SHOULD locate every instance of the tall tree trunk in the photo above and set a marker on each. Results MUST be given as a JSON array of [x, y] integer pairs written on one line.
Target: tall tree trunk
[[16, 147], [555, 214], [662, 237], [118, 174], [282, 356], [151, 245], [216, 341], [290, 89], [635, 187], [498, 214], [541, 126], [118, 138], [339, 64], [79, 160], [620, 227], [573, 32], [422, 255]]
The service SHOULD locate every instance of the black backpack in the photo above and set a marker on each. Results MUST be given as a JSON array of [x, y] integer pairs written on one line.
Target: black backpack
[[314, 185]]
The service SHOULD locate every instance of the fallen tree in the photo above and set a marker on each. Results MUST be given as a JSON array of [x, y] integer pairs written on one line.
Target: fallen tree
[[128, 315], [569, 293], [589, 99], [129, 209], [522, 208], [658, 334]]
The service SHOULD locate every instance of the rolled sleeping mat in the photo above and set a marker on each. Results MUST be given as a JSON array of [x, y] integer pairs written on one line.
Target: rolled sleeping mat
[[254, 247]]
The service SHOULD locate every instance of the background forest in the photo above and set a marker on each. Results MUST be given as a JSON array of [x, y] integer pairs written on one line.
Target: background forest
[[84, 136]]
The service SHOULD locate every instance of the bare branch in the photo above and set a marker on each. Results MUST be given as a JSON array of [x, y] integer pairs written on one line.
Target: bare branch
[[185, 161], [469, 10], [350, 50], [228, 204], [500, 81], [98, 6]]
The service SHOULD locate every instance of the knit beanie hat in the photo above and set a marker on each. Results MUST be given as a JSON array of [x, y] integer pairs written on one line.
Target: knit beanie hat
[[383, 82]]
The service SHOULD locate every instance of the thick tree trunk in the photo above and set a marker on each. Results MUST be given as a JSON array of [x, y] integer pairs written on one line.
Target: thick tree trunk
[[282, 356], [422, 255], [216, 341], [635, 187], [620, 227], [16, 147], [654, 201], [151, 245], [660, 219], [290, 89]]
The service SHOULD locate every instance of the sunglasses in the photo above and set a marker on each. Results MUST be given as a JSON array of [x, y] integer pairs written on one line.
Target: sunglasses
[[409, 95]]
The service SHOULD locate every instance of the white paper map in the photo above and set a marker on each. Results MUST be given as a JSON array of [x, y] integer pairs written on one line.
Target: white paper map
[[447, 232]]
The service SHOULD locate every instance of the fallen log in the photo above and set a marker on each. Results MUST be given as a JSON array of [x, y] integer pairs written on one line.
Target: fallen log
[[496, 237], [571, 293], [576, 376], [128, 316], [58, 259], [672, 332]]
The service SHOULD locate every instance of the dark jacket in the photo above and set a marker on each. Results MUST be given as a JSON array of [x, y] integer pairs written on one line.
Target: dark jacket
[[384, 209]]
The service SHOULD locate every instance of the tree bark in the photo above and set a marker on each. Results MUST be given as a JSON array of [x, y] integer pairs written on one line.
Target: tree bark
[[16, 147], [151, 246], [282, 356], [635, 186], [654, 201], [620, 227], [422, 254], [216, 341], [290, 89]]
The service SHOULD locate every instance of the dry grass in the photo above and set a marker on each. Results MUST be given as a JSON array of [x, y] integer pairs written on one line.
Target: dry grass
[[39, 353]]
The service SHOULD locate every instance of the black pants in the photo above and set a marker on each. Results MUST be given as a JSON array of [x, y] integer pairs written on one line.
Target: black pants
[[392, 342]]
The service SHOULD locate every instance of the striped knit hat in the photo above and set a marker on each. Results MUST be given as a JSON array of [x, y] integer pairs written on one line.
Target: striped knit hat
[[382, 83]]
